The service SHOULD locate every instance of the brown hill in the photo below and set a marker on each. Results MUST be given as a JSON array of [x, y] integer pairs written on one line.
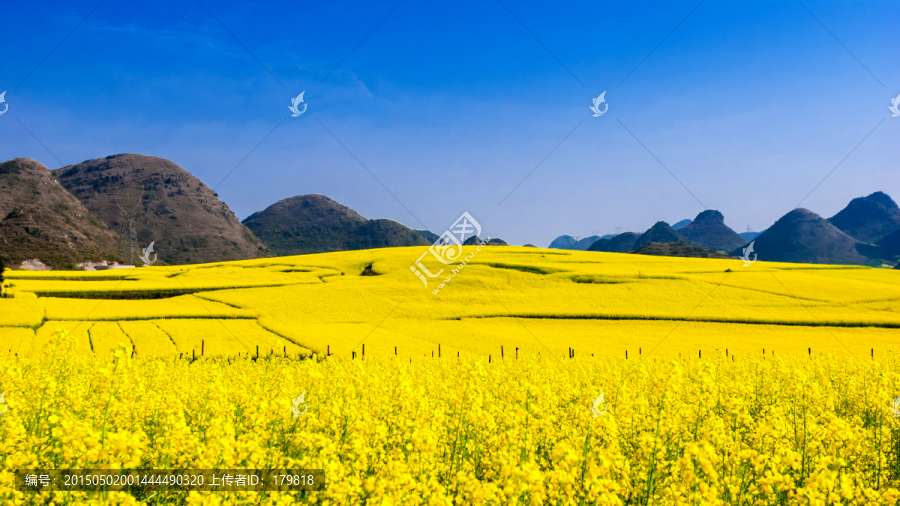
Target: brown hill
[[868, 219], [41, 220], [678, 249], [803, 236], [709, 231], [316, 224], [153, 199]]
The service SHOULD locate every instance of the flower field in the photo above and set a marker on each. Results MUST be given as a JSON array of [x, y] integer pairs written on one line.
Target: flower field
[[770, 384], [536, 300], [715, 430]]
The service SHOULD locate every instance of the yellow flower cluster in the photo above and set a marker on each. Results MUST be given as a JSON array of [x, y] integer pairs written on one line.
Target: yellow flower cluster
[[420, 431]]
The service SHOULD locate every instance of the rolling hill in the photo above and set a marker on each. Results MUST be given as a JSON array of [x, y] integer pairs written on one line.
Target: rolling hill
[[154, 200], [41, 220], [802, 236], [868, 219], [317, 224]]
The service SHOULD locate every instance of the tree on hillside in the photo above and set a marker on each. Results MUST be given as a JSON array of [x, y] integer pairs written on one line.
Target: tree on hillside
[[1, 275]]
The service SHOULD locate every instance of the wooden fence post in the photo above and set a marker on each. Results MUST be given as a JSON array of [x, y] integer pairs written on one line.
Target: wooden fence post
[[202, 347]]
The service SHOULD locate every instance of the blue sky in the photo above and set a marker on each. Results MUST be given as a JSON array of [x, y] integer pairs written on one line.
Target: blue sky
[[450, 105]]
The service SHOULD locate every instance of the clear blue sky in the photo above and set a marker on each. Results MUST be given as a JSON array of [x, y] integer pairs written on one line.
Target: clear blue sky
[[450, 104]]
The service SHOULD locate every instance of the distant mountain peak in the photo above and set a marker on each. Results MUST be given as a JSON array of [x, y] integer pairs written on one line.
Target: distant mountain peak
[[660, 232], [710, 215], [869, 219], [709, 231], [569, 242], [802, 236], [883, 199]]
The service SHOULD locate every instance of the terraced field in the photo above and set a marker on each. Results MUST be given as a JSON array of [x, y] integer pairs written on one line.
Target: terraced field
[[523, 300]]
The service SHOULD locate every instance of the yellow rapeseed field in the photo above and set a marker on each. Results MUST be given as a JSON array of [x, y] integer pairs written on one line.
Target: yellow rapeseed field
[[416, 431], [721, 384], [537, 300]]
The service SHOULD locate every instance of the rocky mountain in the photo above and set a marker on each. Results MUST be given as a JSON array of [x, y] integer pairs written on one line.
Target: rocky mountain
[[41, 220], [149, 199], [622, 243], [659, 232], [681, 224], [709, 231], [316, 224], [803, 236], [569, 242], [678, 249]]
